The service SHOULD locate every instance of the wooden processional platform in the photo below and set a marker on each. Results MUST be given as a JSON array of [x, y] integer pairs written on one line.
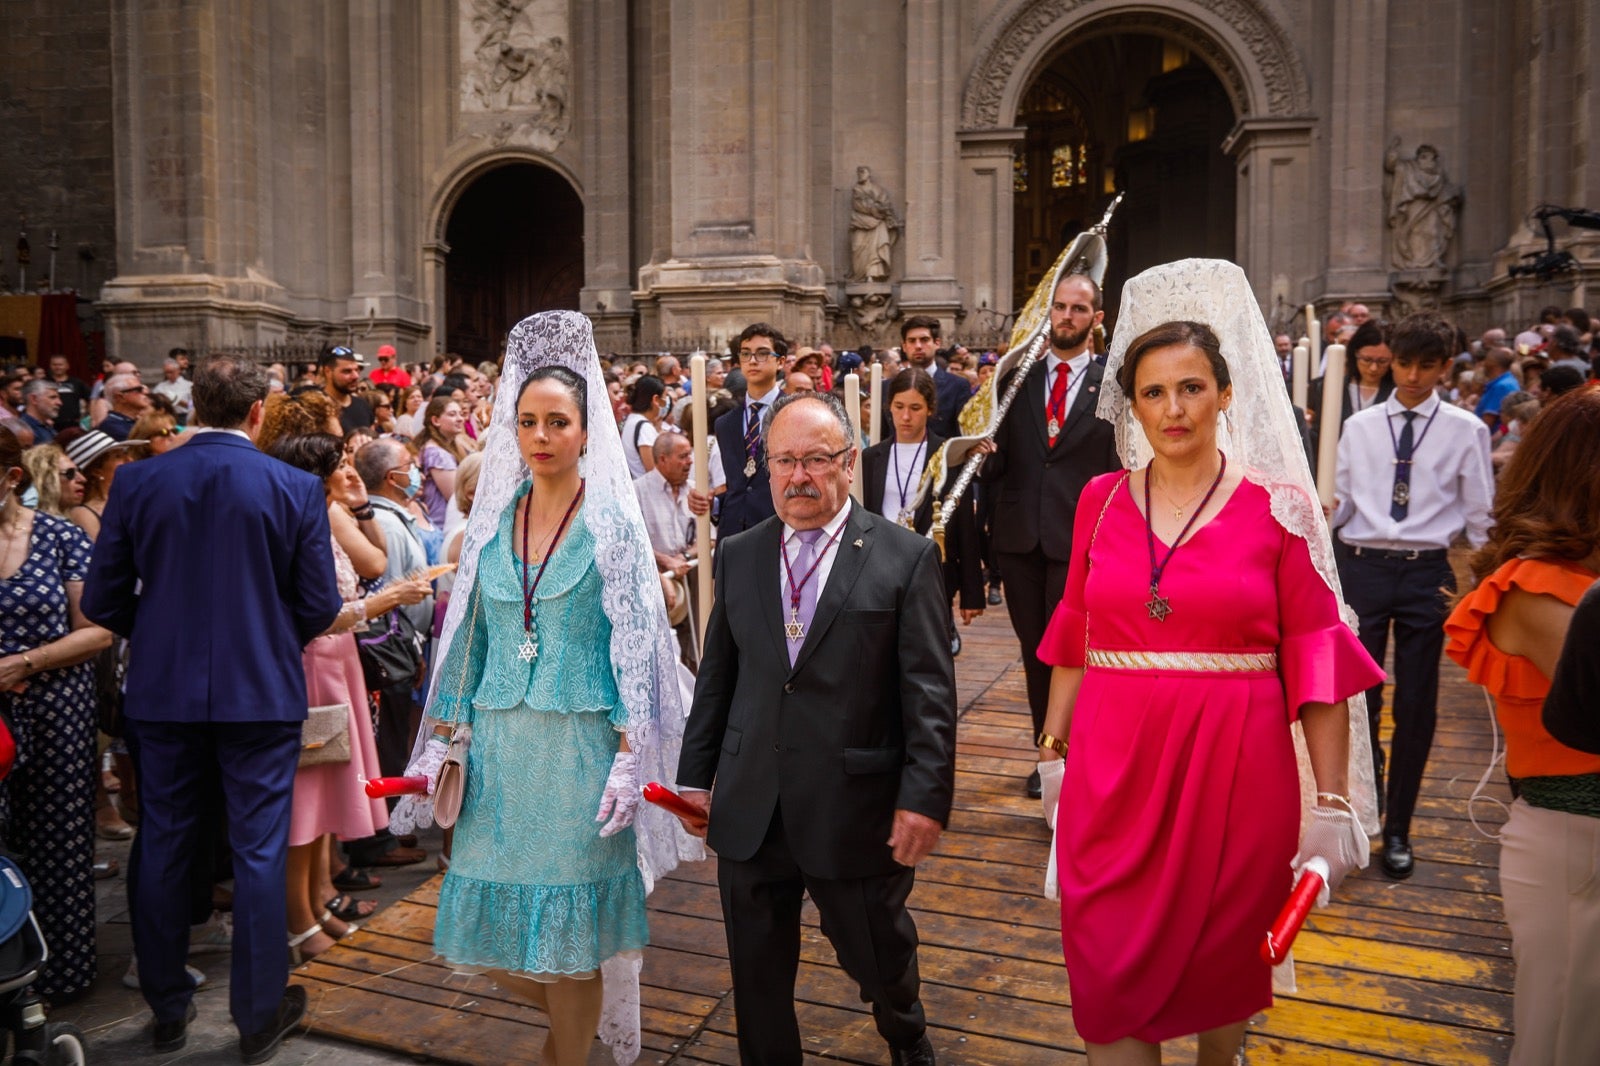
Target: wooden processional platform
[[1416, 971]]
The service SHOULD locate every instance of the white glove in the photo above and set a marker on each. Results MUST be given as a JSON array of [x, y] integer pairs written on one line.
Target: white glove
[[414, 811], [1050, 774], [429, 762], [620, 801], [1335, 837]]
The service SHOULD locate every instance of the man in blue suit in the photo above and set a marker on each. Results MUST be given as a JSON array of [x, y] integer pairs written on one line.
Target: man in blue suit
[[748, 499], [236, 544]]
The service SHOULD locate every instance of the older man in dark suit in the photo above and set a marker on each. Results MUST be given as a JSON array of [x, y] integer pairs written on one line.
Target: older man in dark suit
[[825, 717], [236, 544], [1047, 449]]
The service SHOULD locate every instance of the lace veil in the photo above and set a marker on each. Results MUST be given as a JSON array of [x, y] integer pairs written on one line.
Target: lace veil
[[644, 655], [1258, 433]]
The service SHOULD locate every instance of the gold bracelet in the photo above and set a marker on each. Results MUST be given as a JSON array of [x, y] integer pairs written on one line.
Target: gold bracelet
[[1344, 801], [27, 662], [1055, 743]]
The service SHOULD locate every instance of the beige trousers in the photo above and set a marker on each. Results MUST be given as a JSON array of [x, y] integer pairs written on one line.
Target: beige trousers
[[1550, 881]]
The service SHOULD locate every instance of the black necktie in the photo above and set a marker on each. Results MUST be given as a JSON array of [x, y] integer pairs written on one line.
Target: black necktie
[[1400, 499]]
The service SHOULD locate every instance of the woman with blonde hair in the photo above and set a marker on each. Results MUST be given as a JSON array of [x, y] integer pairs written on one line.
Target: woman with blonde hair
[[157, 431], [56, 481], [1543, 553]]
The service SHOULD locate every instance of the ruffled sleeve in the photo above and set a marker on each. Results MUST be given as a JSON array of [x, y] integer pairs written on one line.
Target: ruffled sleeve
[[1319, 656], [1064, 637], [1467, 629]]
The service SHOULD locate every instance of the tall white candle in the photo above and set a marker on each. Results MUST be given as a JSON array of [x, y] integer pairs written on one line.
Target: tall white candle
[[1314, 333], [1328, 428], [702, 484], [1298, 381], [875, 392], [852, 406]]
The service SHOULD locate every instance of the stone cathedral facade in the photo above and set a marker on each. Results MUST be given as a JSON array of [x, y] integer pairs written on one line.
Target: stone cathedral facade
[[250, 173]]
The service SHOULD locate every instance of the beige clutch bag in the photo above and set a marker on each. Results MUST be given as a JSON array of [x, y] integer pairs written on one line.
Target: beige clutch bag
[[325, 738], [452, 784]]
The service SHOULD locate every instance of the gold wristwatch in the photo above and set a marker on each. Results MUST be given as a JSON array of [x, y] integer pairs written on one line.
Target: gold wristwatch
[[1047, 741]]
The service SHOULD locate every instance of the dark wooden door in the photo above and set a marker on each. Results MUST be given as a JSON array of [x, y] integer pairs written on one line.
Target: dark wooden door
[[516, 247]]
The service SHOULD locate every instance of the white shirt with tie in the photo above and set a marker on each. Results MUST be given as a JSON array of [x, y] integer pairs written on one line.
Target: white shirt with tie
[[1075, 368], [1451, 485]]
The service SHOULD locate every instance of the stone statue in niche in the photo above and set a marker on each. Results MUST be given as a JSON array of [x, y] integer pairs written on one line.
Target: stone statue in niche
[[1422, 208], [515, 59], [874, 229]]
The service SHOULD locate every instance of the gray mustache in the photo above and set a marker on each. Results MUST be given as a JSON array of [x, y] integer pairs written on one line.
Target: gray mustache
[[810, 492]]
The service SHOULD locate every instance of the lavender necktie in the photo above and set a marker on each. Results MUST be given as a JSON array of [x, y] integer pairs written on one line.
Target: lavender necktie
[[800, 573]]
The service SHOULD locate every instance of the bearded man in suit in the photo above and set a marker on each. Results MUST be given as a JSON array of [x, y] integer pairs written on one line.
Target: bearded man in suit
[[824, 715]]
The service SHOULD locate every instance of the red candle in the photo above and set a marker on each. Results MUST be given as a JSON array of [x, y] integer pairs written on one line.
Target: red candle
[[1280, 938], [384, 787]]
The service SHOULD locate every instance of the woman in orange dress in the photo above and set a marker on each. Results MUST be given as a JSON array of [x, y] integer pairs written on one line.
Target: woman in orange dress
[[1542, 554]]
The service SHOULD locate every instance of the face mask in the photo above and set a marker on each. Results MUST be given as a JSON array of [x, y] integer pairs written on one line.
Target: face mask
[[413, 483]]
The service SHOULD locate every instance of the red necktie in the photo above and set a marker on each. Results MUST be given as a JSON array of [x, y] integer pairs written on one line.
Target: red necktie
[[1055, 412]]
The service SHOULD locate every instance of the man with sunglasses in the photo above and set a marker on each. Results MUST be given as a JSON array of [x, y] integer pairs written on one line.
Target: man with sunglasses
[[748, 499], [129, 399], [388, 372], [340, 373]]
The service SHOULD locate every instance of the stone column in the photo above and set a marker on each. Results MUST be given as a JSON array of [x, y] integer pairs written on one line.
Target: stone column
[[385, 303], [984, 228], [1274, 234], [929, 284], [600, 33], [1356, 133], [737, 239]]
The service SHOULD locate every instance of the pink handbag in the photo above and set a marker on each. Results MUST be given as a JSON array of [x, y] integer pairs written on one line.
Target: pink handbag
[[451, 787]]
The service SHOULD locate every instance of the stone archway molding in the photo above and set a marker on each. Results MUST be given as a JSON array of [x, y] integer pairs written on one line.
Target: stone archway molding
[[472, 159], [1243, 41]]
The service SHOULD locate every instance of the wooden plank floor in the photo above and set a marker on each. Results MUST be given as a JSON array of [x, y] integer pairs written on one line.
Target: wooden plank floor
[[1418, 971]]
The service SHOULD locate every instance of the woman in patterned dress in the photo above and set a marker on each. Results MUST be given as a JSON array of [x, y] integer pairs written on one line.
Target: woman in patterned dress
[[47, 804]]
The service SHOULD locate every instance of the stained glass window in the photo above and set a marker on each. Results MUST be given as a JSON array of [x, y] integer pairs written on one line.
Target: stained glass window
[[1019, 174], [1062, 173]]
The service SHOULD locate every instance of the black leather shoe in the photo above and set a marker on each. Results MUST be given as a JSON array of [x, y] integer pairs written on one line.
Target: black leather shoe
[[170, 1036], [259, 1047], [1035, 789], [994, 596], [1396, 855], [918, 1054]]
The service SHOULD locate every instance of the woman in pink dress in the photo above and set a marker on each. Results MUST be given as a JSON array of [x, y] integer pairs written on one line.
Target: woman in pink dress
[[1195, 629], [330, 799]]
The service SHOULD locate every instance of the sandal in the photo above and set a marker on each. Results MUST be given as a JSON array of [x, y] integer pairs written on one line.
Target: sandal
[[353, 879], [349, 927], [296, 955], [347, 908]]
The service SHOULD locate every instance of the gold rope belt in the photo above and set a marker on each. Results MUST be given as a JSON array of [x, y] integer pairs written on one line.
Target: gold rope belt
[[1209, 662]]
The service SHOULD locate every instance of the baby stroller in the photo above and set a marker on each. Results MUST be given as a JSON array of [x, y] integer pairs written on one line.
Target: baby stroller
[[24, 1033]]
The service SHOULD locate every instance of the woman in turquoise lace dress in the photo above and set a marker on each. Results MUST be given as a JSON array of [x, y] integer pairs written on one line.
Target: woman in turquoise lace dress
[[548, 876]]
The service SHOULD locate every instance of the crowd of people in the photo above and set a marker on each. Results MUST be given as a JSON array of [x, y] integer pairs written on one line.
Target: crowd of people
[[391, 570]]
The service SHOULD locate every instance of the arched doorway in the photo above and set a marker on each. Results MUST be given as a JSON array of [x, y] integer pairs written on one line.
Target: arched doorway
[[516, 247], [1132, 112]]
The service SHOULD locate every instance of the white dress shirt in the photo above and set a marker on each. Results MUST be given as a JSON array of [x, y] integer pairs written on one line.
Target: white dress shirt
[[902, 470], [1075, 366], [791, 544], [1451, 484]]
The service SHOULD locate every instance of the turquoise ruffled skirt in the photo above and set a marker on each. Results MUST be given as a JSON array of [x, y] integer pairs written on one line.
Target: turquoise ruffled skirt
[[532, 886]]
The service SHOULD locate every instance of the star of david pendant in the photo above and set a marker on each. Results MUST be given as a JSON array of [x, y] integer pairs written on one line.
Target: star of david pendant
[[527, 651], [794, 629], [1054, 428], [1158, 605], [1402, 493], [749, 468]]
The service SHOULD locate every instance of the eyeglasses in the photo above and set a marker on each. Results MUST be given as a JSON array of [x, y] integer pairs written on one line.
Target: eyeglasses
[[71, 473], [757, 357], [783, 465], [170, 431], [136, 388], [1365, 361]]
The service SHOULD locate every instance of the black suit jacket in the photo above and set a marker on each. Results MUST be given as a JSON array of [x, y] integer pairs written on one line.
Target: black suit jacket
[[1038, 486], [747, 500], [953, 392], [862, 725], [963, 565]]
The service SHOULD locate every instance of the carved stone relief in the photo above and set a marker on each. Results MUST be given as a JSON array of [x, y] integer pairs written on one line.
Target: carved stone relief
[[517, 67]]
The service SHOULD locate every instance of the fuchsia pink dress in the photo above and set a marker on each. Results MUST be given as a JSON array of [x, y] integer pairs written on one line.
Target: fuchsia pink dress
[[1180, 805]]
